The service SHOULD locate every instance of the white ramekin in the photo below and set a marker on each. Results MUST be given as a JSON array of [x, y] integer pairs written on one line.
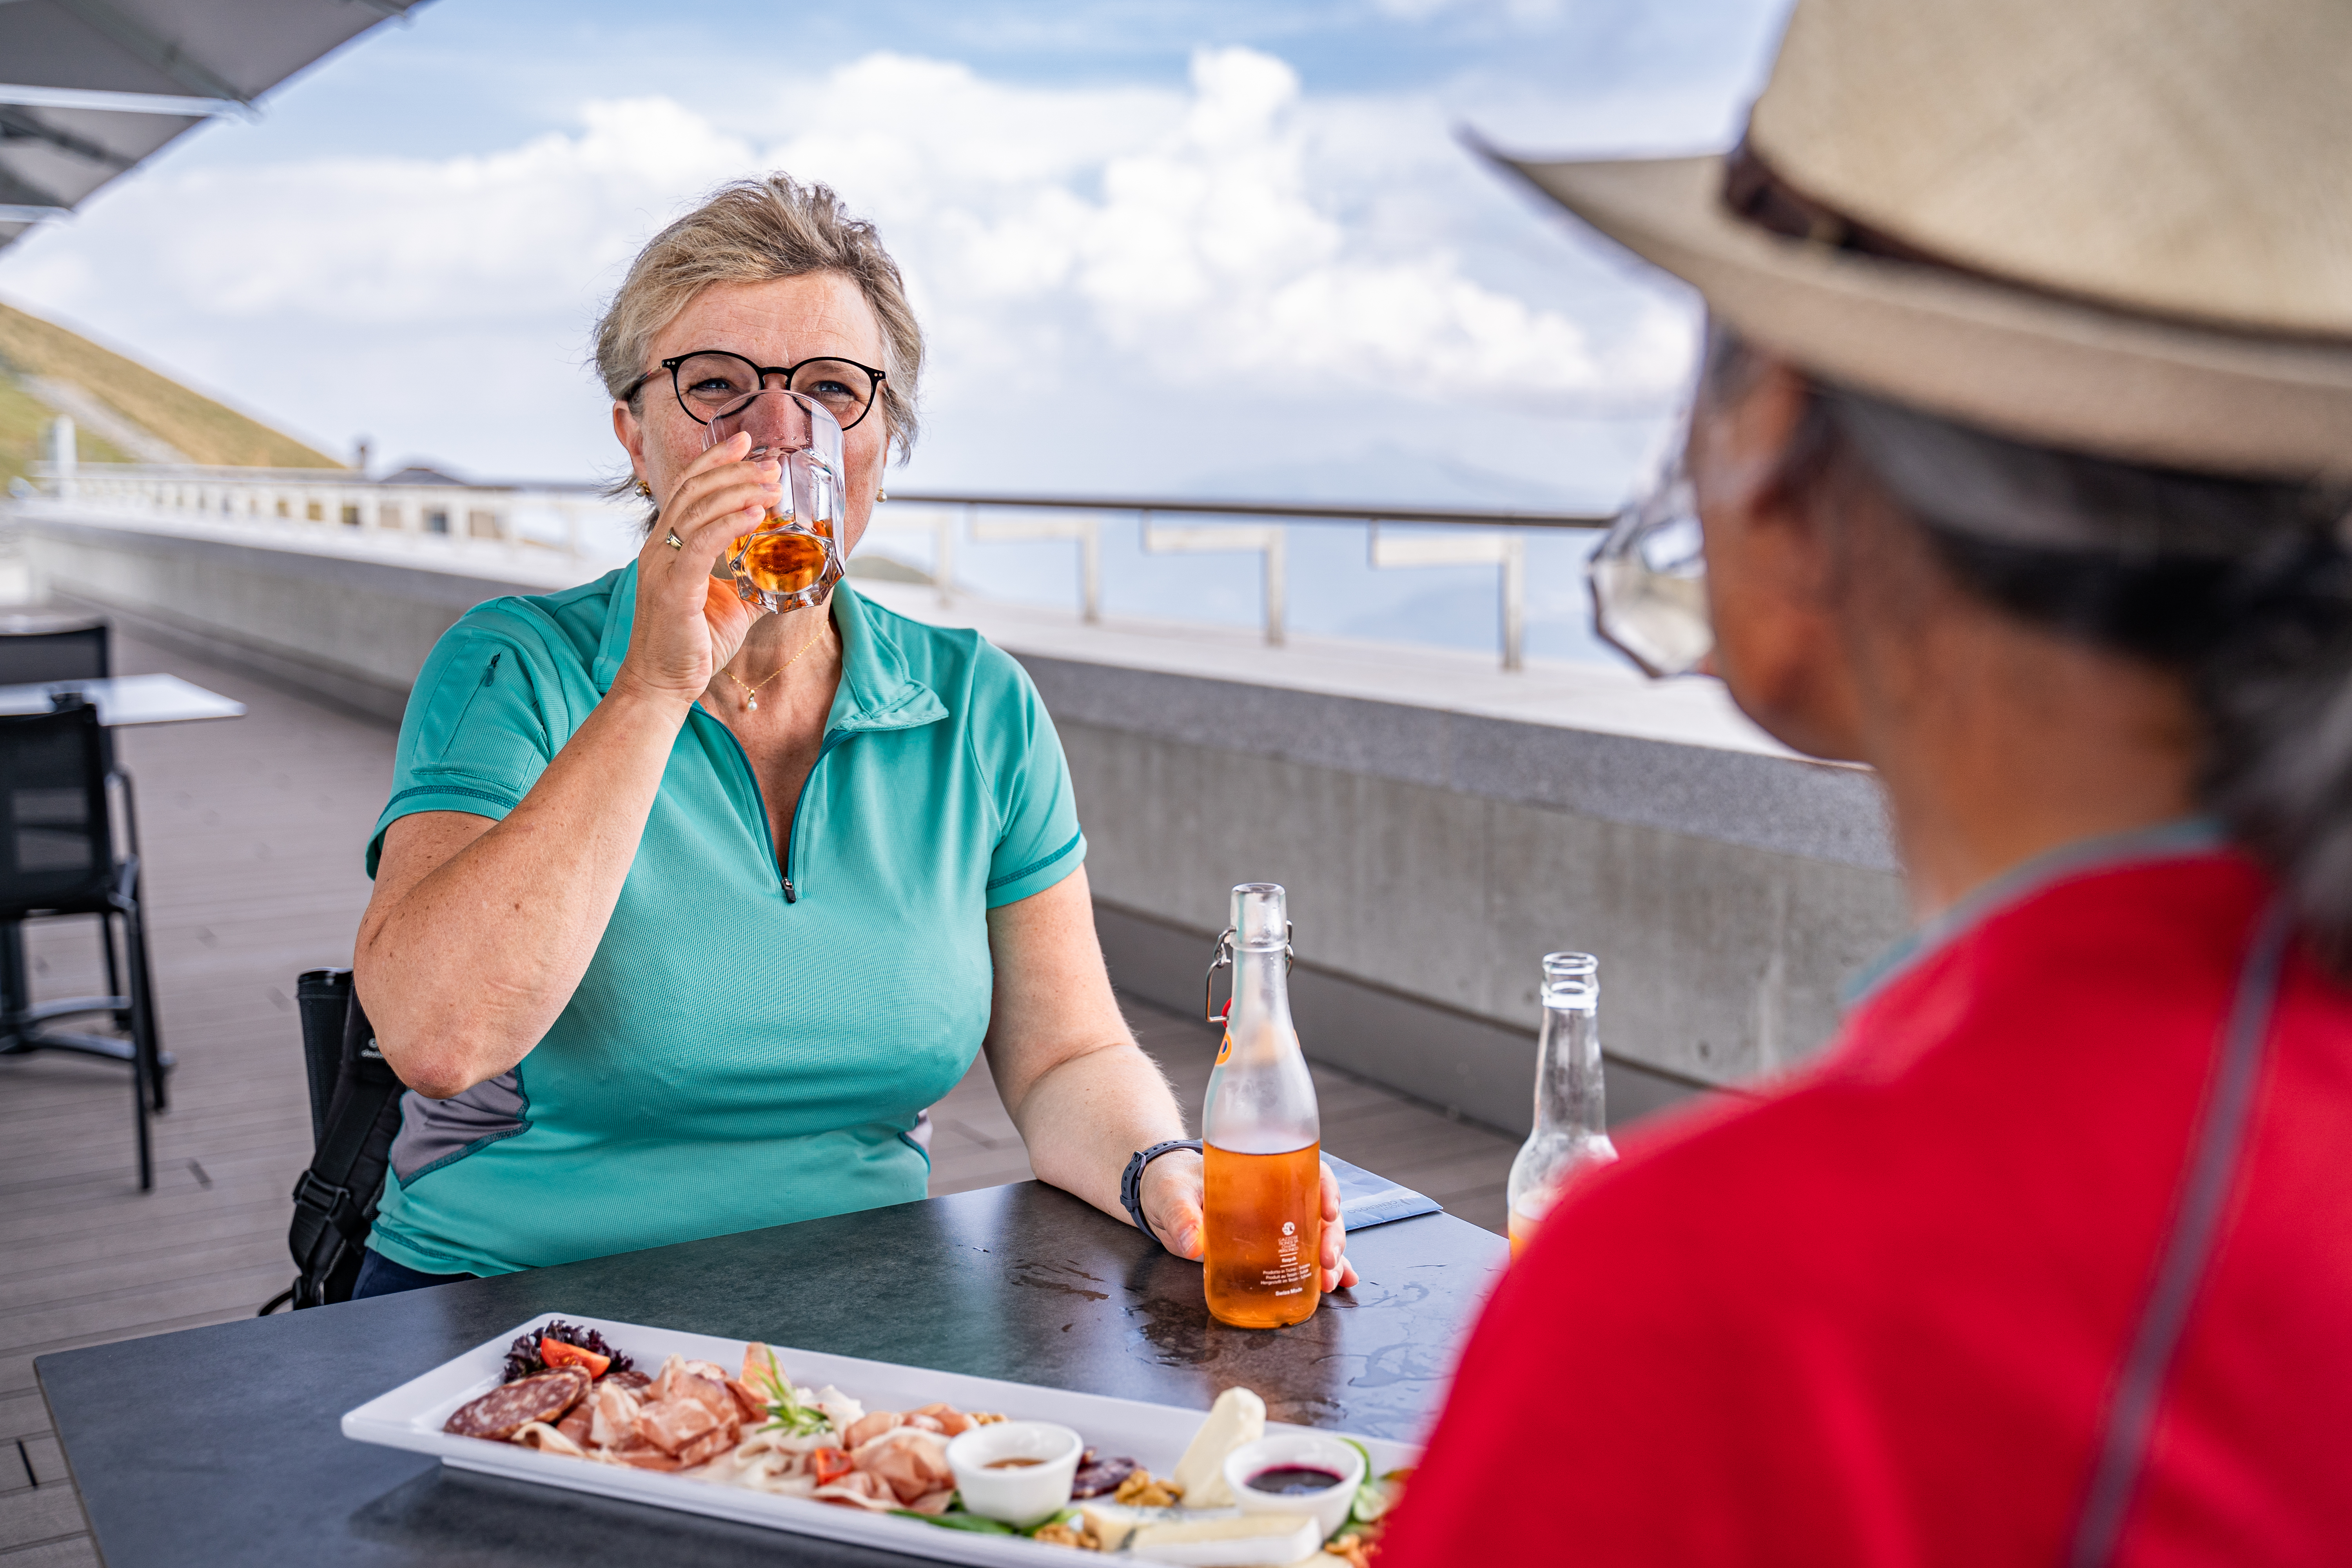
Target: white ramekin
[[1022, 1495], [1329, 1507]]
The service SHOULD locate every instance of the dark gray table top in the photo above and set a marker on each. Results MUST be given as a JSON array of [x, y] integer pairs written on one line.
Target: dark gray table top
[[221, 1444]]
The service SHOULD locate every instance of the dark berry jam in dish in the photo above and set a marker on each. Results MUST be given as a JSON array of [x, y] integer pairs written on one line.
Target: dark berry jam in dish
[[1291, 1480]]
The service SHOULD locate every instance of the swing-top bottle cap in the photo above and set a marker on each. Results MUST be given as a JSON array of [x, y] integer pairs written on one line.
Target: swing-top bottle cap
[[1261, 919]]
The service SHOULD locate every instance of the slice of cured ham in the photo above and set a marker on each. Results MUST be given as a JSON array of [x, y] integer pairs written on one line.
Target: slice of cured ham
[[670, 1424], [860, 1491], [912, 1462], [872, 1424], [612, 1417], [952, 1422], [707, 1448], [547, 1439], [748, 1400], [576, 1423]]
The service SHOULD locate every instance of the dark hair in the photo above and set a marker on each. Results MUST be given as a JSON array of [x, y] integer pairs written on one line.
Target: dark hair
[[2241, 585]]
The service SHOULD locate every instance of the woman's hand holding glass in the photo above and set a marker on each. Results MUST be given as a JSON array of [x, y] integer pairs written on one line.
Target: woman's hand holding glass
[[1173, 1194], [688, 623]]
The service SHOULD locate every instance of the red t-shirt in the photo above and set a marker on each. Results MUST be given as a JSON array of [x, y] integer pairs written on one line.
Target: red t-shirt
[[1875, 1318]]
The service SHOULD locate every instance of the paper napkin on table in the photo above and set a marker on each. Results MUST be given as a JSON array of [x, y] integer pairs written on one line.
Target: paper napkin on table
[[1367, 1200]]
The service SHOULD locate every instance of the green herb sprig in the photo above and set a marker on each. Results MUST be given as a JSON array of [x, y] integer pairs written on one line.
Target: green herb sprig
[[786, 1414]]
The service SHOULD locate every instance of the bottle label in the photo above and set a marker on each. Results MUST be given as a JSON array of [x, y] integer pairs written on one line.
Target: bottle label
[[1224, 1049], [1288, 1276]]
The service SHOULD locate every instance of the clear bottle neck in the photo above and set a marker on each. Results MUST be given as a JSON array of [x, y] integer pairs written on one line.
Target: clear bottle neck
[[1567, 1066], [1261, 991], [1261, 1094], [1261, 938]]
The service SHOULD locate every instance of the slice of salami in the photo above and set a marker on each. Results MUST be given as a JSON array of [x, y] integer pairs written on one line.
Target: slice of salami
[[509, 1407], [1096, 1475]]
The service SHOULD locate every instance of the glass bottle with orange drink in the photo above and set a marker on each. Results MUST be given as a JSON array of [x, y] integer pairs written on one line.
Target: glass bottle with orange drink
[[1571, 1130], [1262, 1136]]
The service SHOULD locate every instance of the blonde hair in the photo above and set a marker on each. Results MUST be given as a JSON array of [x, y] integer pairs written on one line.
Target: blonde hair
[[749, 231]]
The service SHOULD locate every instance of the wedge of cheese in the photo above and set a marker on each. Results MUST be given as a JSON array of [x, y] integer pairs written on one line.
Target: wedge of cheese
[[1251, 1540], [1237, 1417], [1110, 1525]]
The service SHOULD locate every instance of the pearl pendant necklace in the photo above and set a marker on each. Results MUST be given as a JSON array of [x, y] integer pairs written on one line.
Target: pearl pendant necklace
[[752, 693]]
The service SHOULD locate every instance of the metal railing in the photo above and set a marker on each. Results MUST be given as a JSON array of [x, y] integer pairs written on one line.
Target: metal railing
[[460, 521], [1475, 538], [449, 519]]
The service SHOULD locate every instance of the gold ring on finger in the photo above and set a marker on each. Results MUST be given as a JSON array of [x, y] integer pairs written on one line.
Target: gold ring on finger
[[673, 541]]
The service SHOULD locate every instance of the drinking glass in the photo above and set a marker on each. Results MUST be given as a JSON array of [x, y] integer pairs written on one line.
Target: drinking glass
[[794, 556]]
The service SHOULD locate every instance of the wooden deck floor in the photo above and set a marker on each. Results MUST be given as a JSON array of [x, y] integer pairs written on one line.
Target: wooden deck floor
[[253, 832]]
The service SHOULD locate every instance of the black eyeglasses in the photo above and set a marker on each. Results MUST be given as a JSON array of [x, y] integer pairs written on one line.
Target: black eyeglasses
[[711, 382]]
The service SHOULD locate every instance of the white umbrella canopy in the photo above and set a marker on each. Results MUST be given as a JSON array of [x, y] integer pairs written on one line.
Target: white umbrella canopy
[[89, 89]]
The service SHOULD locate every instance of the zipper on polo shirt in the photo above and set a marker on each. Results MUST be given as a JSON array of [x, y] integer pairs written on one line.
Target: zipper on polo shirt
[[793, 829], [759, 811]]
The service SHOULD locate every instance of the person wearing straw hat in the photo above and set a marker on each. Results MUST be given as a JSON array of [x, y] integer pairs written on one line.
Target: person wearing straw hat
[[2020, 461]]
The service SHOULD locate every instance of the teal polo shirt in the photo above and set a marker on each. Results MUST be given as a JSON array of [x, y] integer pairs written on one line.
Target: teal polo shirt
[[762, 1021]]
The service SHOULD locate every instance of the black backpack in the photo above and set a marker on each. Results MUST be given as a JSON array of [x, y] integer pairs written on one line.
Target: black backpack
[[354, 1112]]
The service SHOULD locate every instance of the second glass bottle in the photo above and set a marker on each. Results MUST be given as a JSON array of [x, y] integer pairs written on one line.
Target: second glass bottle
[[1571, 1130]]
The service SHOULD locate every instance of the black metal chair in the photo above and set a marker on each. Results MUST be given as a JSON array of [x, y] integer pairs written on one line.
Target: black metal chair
[[57, 857], [43, 646], [37, 646]]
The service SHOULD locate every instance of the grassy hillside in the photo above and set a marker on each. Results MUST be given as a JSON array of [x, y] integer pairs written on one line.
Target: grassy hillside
[[24, 428], [197, 426]]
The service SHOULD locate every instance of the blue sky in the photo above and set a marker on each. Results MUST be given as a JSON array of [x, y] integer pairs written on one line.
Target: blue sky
[[1194, 247]]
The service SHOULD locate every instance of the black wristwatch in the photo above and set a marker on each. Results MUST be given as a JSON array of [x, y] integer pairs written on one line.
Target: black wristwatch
[[1130, 1184]]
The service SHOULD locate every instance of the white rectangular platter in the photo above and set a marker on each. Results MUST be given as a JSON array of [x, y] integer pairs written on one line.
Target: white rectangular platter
[[1154, 1436]]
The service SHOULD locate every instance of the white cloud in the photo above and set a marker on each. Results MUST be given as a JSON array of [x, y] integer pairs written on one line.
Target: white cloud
[[1238, 242], [392, 240], [1209, 235]]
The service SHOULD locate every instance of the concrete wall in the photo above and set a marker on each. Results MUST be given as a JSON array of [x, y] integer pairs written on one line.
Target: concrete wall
[[1436, 857], [1440, 825], [354, 632]]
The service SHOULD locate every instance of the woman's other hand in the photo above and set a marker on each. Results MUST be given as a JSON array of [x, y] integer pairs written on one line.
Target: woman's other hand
[[688, 624], [1172, 1197]]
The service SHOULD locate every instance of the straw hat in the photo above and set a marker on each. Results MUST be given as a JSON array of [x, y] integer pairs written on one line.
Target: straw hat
[[2122, 226]]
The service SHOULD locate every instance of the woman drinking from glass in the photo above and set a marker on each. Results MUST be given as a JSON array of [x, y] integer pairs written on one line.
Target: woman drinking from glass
[[685, 910]]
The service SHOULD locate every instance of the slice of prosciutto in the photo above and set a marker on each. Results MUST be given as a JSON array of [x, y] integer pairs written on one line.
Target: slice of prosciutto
[[952, 1422], [670, 1424], [870, 1426], [860, 1490], [912, 1462], [613, 1420]]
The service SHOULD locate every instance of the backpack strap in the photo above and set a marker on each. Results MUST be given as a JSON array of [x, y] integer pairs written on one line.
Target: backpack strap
[[2224, 1128], [335, 1201], [321, 999]]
